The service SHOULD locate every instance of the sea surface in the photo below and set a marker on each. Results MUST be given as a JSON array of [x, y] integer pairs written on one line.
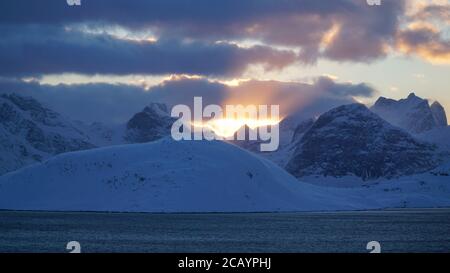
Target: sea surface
[[424, 230]]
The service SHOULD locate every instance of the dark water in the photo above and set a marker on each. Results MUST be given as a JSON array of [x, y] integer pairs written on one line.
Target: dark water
[[397, 231]]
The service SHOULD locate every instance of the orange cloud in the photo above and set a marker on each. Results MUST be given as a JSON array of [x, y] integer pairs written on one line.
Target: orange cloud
[[424, 40]]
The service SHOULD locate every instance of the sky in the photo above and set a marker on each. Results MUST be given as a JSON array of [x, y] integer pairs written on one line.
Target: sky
[[106, 59]]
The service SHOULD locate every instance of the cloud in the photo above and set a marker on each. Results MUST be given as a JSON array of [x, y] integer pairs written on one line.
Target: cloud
[[425, 32], [425, 41], [307, 99], [86, 102], [34, 50], [366, 34], [434, 12], [344, 89], [364, 31], [184, 34], [186, 14], [117, 103]]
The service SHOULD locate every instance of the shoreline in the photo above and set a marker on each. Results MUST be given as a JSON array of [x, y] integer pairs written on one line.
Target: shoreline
[[393, 210]]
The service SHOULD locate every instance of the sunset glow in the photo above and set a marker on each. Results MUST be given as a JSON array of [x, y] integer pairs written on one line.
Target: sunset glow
[[227, 127]]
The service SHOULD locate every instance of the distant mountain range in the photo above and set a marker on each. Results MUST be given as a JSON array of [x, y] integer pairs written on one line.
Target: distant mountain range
[[393, 166], [413, 114], [348, 140], [31, 132]]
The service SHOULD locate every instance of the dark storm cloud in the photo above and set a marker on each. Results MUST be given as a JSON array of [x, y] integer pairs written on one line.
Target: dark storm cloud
[[361, 33], [365, 35], [86, 102], [364, 32], [344, 89], [142, 13], [117, 103], [44, 50]]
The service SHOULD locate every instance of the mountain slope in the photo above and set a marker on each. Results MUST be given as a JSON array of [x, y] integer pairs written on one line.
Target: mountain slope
[[30, 132], [439, 136], [162, 176], [351, 140], [439, 114], [413, 114]]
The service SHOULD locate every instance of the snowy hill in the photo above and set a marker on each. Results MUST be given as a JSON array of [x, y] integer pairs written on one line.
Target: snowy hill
[[196, 176], [426, 190], [30, 132], [101, 134], [351, 140], [161, 176], [413, 114]]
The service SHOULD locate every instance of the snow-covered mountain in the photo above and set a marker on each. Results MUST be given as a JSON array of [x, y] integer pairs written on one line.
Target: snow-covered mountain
[[351, 140], [439, 114], [152, 123], [413, 114], [30, 132], [161, 176]]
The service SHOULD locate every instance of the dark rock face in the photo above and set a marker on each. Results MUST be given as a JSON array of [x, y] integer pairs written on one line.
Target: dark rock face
[[440, 117], [29, 132], [301, 129], [154, 122], [351, 140], [413, 114]]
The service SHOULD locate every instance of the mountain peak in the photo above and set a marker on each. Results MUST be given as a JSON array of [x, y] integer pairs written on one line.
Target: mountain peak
[[413, 114], [152, 123], [414, 100], [351, 140], [436, 104], [383, 102], [157, 108], [349, 110], [412, 95]]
